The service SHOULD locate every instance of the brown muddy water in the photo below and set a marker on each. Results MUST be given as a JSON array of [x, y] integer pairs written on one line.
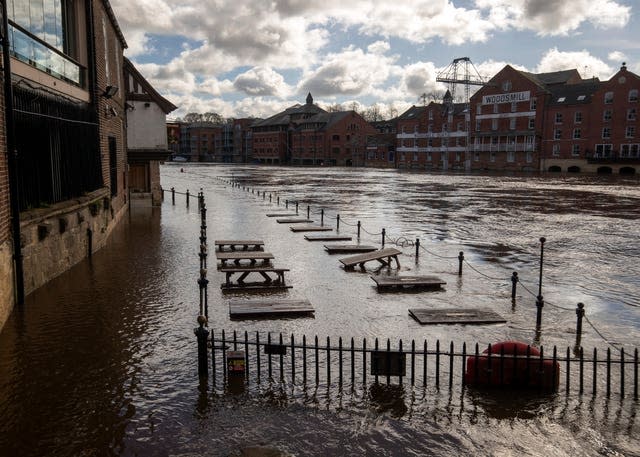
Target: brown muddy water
[[102, 360]]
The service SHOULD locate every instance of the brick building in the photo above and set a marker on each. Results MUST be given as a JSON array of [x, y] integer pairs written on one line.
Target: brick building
[[381, 147], [71, 182], [434, 136]]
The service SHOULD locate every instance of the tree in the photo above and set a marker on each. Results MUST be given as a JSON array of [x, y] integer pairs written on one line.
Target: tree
[[336, 107], [373, 114], [213, 117]]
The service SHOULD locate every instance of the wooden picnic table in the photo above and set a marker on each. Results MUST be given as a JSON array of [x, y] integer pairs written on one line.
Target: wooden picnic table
[[348, 248], [383, 256], [311, 228], [327, 238], [265, 308], [244, 245], [401, 282], [238, 256], [269, 282]]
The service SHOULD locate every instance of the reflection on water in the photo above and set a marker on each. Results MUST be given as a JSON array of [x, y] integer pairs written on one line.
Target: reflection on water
[[101, 361]]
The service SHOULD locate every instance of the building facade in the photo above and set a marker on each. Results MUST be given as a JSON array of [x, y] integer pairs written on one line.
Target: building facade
[[71, 182], [147, 144]]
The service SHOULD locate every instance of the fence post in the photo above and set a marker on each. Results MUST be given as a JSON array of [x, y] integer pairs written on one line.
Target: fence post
[[202, 333], [539, 300], [322, 217], [514, 282], [359, 230], [286, 204], [417, 248], [187, 198], [460, 260], [173, 196], [338, 223], [162, 190], [384, 232], [580, 315]]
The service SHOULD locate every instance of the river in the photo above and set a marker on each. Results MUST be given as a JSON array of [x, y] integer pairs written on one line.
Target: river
[[101, 360]]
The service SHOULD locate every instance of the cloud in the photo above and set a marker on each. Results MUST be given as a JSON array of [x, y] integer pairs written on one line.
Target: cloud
[[420, 78], [617, 57], [552, 17], [261, 81], [587, 65]]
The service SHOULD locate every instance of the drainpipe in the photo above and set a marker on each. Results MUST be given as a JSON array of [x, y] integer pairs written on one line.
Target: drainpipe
[[12, 160]]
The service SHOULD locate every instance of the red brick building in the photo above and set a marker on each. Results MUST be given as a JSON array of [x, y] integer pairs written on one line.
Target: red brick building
[[381, 147], [433, 136]]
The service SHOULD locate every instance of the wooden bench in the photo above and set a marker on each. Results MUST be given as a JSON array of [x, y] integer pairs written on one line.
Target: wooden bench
[[243, 245], [269, 282], [383, 256], [238, 256], [265, 308], [348, 248], [402, 282]]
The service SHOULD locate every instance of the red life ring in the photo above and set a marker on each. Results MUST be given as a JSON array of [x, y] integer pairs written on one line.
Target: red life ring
[[512, 347]]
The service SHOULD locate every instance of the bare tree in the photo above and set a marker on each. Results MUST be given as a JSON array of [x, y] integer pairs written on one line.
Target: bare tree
[[335, 108]]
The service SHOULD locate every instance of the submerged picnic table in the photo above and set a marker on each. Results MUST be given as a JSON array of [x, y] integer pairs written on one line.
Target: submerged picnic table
[[401, 282], [383, 256], [348, 248], [311, 228], [268, 283], [244, 245], [238, 256], [264, 308]]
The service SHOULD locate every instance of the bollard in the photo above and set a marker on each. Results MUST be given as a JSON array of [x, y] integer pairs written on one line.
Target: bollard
[[173, 196], [514, 282], [338, 223], [162, 190], [321, 217], [460, 260], [187, 198], [286, 204], [202, 334], [580, 314], [539, 300], [417, 248], [269, 197], [358, 229], [384, 232], [278, 200], [308, 211]]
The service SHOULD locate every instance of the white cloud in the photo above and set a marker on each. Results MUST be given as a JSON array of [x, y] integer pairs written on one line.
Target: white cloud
[[617, 57], [420, 78], [261, 81], [587, 65]]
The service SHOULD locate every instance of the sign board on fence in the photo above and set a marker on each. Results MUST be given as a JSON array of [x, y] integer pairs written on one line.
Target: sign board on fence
[[275, 349], [235, 363], [390, 363]]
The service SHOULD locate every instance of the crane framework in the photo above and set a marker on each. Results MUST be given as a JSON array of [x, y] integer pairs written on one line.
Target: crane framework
[[461, 71]]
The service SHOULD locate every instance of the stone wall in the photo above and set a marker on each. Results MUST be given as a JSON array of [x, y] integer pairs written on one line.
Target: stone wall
[[56, 238]]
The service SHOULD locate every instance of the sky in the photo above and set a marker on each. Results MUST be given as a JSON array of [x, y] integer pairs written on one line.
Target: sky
[[254, 58]]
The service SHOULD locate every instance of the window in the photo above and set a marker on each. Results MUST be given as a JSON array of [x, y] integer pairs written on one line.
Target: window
[[577, 133], [506, 86], [496, 108], [430, 115], [511, 156], [429, 157], [492, 156], [608, 98], [459, 127], [632, 114], [532, 123], [476, 156], [529, 157], [457, 156], [633, 95], [603, 150], [512, 123], [479, 108], [494, 140], [445, 127], [533, 103], [555, 149], [445, 142], [561, 99], [478, 125], [494, 124], [335, 137], [514, 107], [577, 117], [575, 150], [430, 128], [606, 116], [415, 156], [558, 118], [430, 142], [630, 131], [557, 134], [606, 132]]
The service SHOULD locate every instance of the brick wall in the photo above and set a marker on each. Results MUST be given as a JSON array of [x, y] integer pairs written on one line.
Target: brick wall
[[6, 248]]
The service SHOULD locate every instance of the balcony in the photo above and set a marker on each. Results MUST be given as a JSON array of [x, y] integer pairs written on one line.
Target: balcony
[[612, 157]]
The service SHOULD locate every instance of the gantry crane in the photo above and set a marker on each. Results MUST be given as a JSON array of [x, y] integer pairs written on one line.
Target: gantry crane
[[461, 71]]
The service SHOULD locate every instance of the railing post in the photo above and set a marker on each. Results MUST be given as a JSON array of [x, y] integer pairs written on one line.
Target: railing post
[[359, 230], [202, 334], [384, 233], [286, 204], [514, 283], [173, 196], [338, 223], [460, 260], [580, 315], [322, 217], [187, 198], [539, 300], [417, 248], [162, 190]]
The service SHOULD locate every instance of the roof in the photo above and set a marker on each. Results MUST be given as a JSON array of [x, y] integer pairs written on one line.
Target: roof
[[285, 117], [412, 113], [572, 94], [328, 119], [164, 104], [553, 78]]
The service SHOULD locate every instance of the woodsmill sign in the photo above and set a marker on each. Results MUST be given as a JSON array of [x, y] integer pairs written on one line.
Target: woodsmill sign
[[506, 98]]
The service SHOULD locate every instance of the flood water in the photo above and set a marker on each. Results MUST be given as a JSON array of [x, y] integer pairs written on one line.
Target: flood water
[[102, 360]]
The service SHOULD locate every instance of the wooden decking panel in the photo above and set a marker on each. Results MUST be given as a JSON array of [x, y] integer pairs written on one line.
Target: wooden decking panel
[[248, 309], [456, 316], [375, 255], [281, 215], [311, 228], [348, 248], [294, 221], [327, 238], [400, 282]]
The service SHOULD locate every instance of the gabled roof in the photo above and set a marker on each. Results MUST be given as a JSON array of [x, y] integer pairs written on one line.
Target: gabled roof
[[412, 113], [553, 78], [114, 21], [164, 104], [572, 94], [285, 117]]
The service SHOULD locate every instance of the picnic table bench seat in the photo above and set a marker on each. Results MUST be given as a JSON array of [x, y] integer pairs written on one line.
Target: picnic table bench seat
[[384, 256]]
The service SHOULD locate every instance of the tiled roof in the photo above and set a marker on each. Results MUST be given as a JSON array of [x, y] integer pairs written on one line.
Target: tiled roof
[[571, 94]]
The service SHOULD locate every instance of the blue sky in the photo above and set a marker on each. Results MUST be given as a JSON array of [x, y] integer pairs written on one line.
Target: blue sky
[[255, 57]]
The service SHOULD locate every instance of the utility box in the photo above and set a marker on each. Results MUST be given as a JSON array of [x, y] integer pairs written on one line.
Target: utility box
[[235, 364]]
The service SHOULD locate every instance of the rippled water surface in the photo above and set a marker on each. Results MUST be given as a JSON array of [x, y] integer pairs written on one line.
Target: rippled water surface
[[101, 361]]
